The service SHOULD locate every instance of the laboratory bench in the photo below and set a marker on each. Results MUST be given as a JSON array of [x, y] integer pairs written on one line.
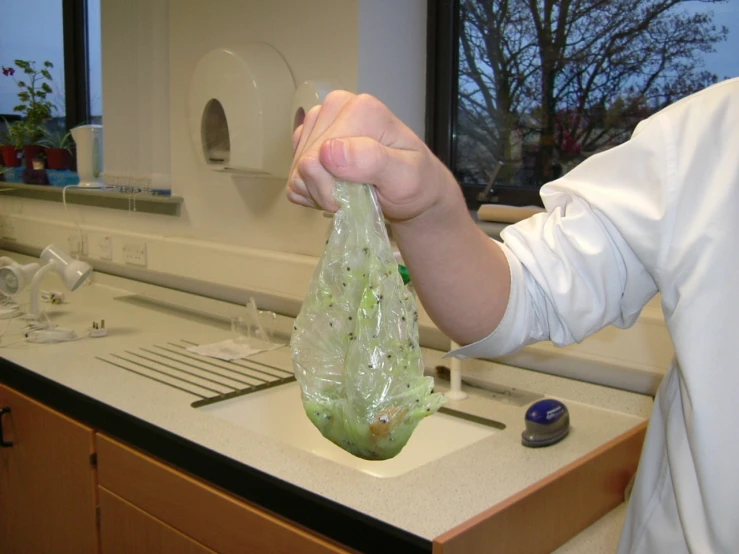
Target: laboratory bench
[[105, 458]]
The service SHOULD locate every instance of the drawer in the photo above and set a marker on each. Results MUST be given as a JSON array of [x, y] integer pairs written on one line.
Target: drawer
[[223, 523]]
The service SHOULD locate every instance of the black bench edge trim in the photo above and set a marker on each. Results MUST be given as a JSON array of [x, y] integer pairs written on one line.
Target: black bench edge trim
[[331, 519]]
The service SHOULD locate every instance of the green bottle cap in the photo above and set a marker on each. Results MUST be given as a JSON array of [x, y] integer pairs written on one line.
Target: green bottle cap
[[404, 274]]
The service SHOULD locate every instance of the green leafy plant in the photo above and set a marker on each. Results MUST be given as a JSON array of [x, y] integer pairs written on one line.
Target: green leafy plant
[[15, 134], [56, 139], [34, 94]]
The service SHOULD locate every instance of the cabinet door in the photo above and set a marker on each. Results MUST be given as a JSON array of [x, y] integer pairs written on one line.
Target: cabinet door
[[47, 481], [221, 522], [124, 529]]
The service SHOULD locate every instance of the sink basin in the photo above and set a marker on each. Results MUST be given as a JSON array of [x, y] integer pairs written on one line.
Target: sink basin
[[278, 413]]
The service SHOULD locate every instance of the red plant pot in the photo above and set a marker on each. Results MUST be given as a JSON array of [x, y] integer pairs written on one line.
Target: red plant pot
[[10, 156], [31, 152], [58, 158]]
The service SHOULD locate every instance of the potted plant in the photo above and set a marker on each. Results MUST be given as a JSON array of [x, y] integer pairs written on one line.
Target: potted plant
[[58, 153], [11, 144], [35, 106]]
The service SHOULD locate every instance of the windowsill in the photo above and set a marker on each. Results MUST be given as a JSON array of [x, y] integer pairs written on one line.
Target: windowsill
[[146, 203], [492, 228], [493, 218]]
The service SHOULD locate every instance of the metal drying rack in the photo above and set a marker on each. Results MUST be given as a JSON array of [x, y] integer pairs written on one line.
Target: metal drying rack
[[210, 379]]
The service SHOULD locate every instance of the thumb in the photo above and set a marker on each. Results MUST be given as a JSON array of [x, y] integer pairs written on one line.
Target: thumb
[[365, 160]]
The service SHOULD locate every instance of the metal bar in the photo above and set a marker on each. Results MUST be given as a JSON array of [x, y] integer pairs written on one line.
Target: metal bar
[[473, 418], [243, 374], [149, 377], [173, 368], [165, 373], [281, 370], [237, 394], [198, 367]]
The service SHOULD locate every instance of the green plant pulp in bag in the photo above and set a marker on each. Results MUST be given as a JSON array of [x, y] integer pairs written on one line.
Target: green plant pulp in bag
[[355, 342]]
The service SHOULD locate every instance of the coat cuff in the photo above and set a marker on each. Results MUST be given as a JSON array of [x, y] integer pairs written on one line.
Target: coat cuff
[[503, 339]]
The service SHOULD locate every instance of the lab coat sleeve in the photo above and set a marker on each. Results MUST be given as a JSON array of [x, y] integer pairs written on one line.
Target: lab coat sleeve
[[592, 259]]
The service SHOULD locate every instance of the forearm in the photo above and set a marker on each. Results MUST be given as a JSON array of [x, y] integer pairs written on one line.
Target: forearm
[[461, 276]]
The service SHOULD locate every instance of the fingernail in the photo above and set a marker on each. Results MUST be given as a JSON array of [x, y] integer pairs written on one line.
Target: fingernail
[[338, 152]]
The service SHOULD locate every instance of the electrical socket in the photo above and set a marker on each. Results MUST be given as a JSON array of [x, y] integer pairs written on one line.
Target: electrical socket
[[74, 246], [134, 252], [105, 247], [8, 229]]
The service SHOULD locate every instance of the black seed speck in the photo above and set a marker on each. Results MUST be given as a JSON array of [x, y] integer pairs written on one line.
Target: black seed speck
[[348, 268], [350, 318], [389, 356]]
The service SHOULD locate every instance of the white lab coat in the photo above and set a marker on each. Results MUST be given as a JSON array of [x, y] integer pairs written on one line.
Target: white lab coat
[[659, 213]]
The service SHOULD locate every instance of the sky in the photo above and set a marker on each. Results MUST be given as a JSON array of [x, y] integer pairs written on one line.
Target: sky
[[32, 30], [725, 61]]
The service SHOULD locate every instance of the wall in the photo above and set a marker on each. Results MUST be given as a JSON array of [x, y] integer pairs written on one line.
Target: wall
[[239, 235], [231, 227]]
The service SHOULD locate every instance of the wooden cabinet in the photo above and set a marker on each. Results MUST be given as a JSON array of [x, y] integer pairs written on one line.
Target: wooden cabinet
[[50, 488], [176, 506], [125, 529], [52, 503], [47, 481]]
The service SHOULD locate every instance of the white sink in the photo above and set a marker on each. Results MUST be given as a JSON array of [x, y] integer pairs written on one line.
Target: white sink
[[278, 413]]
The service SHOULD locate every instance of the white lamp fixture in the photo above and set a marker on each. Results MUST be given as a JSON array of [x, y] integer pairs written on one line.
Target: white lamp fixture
[[15, 277], [73, 272], [11, 281]]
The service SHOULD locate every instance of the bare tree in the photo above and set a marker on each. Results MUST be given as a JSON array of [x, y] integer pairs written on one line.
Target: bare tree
[[570, 77]]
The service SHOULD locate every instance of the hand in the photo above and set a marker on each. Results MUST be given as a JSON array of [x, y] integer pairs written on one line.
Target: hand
[[358, 139]]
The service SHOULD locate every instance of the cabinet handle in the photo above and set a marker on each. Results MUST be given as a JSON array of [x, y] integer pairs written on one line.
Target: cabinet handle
[[3, 442]]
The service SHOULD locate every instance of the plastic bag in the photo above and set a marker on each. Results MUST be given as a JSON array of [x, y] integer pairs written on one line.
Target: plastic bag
[[355, 342]]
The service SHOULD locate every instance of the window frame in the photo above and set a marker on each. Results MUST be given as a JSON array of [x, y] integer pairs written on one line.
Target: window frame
[[442, 61], [76, 63]]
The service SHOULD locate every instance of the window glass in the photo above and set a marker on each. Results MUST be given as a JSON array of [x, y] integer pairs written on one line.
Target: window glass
[[543, 85], [31, 30]]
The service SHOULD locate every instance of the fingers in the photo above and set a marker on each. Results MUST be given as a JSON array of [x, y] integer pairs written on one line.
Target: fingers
[[365, 160], [301, 200], [355, 138], [317, 120], [298, 193]]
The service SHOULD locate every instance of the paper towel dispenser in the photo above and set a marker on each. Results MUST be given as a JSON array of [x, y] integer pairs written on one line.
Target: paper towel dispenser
[[239, 106]]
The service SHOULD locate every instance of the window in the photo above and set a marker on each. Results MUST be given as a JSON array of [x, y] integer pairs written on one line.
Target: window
[[65, 33], [521, 92]]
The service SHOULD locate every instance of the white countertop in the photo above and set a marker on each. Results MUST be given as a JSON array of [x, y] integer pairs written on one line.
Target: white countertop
[[436, 497]]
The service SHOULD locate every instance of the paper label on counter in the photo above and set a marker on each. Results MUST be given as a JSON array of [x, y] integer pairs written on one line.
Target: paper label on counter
[[233, 349]]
